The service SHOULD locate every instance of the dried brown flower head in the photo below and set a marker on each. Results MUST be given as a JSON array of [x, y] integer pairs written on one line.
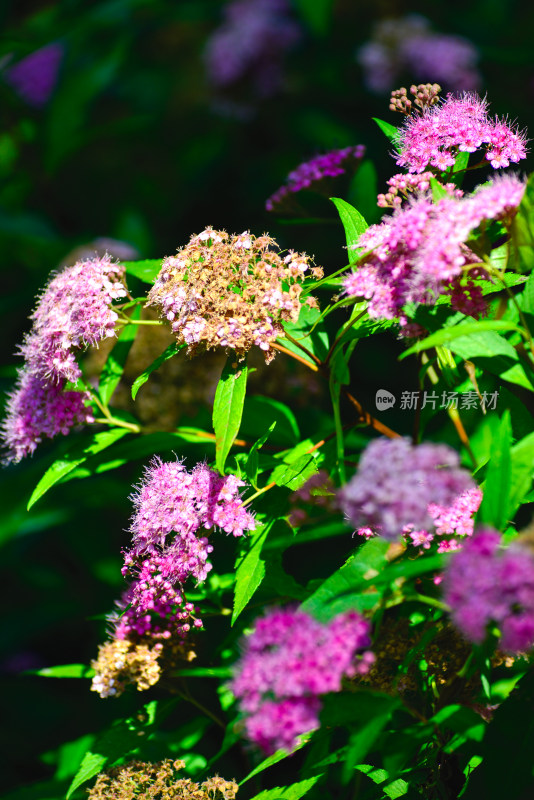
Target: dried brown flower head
[[229, 291]]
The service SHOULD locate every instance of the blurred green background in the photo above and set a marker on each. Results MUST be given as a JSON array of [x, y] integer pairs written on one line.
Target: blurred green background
[[134, 142]]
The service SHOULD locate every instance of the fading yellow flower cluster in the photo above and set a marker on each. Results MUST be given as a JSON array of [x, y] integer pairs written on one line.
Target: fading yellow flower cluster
[[122, 662], [158, 781]]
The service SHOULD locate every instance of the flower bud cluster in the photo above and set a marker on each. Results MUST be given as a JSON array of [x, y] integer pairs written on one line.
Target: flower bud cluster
[[310, 173], [402, 184], [484, 584], [288, 662], [73, 312], [400, 486], [230, 291], [426, 95], [141, 779]]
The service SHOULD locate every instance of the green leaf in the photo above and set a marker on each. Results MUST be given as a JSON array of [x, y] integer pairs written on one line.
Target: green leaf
[[388, 130], [522, 229], [438, 190], [522, 472], [261, 411], [353, 223], [205, 672], [280, 755], [368, 561], [366, 714], [460, 165], [123, 737], [169, 352], [363, 190], [114, 366], [140, 447], [309, 332], [317, 15], [526, 298], [279, 582], [496, 499], [63, 671], [251, 464], [507, 767], [85, 446], [228, 408], [146, 270], [293, 792], [293, 475], [493, 353], [446, 335], [250, 571]]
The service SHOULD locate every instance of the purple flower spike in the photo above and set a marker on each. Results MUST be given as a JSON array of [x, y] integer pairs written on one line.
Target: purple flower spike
[[310, 173], [34, 77]]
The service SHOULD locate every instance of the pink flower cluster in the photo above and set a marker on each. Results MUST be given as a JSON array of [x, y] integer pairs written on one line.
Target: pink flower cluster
[[420, 251], [460, 124], [408, 45], [153, 607], [171, 506], [288, 662], [251, 42], [397, 481], [484, 584], [73, 312], [447, 521], [310, 173], [34, 77]]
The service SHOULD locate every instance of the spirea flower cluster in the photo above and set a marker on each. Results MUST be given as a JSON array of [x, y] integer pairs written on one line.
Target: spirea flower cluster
[[251, 44], [448, 523], [73, 312], [310, 173], [459, 124], [172, 507], [397, 481], [485, 584], [420, 251], [230, 291], [408, 45], [288, 662], [157, 781]]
